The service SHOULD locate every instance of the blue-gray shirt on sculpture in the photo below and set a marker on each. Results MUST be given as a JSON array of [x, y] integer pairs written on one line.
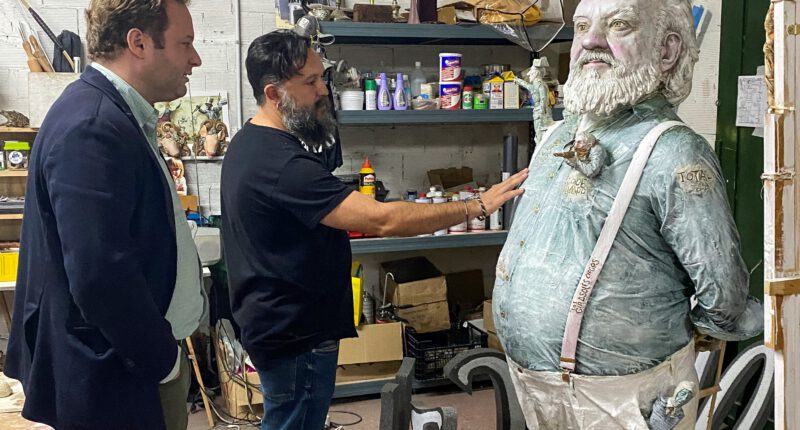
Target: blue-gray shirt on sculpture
[[678, 239]]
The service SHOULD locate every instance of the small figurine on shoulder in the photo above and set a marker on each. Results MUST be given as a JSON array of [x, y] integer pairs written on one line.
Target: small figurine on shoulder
[[584, 154]]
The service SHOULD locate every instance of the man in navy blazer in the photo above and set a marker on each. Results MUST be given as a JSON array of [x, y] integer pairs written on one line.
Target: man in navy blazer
[[99, 256]]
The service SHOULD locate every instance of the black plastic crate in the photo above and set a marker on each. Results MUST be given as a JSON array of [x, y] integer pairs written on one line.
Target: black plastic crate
[[433, 350]]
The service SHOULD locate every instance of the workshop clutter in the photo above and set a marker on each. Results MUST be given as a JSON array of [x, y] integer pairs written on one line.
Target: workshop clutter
[[453, 87], [418, 316]]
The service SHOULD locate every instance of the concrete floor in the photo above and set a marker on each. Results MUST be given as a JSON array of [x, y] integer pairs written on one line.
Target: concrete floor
[[475, 412]]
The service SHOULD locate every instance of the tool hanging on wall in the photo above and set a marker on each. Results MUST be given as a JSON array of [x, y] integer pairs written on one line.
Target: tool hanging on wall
[[33, 62], [58, 46]]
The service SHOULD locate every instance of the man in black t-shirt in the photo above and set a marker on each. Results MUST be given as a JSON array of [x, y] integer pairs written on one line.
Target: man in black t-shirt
[[284, 232]]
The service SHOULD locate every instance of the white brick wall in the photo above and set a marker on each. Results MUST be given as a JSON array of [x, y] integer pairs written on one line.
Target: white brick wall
[[401, 155]]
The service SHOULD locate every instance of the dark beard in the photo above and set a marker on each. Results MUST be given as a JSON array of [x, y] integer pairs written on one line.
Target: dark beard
[[314, 125]]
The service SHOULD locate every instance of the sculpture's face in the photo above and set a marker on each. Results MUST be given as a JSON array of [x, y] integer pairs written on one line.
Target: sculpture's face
[[624, 29], [615, 55]]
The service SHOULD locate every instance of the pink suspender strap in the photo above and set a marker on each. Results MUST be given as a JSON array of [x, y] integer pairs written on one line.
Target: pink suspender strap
[[607, 235]]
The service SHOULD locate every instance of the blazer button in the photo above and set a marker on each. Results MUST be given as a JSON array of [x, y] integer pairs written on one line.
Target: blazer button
[[129, 363]]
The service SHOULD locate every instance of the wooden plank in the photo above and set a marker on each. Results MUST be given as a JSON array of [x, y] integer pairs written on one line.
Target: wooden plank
[[782, 206], [782, 287], [10, 217], [18, 130], [13, 173]]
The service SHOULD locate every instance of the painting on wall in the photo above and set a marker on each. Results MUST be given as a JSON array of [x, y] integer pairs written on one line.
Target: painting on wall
[[196, 125]]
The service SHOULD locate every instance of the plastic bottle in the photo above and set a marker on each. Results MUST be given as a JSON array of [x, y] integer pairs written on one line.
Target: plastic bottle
[[370, 94], [384, 96], [400, 101], [366, 179], [466, 98], [417, 79], [407, 89]]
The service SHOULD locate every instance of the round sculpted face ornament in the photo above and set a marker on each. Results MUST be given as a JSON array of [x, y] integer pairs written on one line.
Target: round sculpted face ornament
[[625, 51]]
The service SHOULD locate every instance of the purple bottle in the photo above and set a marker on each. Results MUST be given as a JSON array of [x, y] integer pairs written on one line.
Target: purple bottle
[[400, 100], [384, 95]]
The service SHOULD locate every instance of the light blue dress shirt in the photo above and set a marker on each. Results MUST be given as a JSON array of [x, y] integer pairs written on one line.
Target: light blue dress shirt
[[188, 302]]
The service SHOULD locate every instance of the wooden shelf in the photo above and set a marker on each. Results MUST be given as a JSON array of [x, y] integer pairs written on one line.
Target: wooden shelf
[[13, 173], [18, 130], [8, 285], [10, 217]]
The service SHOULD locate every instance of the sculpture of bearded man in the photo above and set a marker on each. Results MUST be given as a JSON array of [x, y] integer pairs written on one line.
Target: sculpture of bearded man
[[594, 341]]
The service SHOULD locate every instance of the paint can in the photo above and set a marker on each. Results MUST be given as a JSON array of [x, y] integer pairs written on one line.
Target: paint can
[[439, 198], [461, 227], [450, 67], [450, 95]]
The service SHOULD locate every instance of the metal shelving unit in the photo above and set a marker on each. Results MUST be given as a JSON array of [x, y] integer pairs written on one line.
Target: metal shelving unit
[[461, 116], [372, 117], [424, 34], [396, 244]]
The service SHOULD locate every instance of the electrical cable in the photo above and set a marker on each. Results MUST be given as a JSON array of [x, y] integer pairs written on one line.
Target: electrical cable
[[359, 418]]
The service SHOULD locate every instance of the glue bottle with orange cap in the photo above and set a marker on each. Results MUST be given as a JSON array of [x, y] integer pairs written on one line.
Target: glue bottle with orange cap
[[366, 179]]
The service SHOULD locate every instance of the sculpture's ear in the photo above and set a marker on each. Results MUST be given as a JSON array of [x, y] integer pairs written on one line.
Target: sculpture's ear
[[671, 51], [203, 131]]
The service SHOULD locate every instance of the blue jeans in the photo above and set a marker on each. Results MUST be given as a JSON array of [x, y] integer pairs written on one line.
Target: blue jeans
[[297, 390]]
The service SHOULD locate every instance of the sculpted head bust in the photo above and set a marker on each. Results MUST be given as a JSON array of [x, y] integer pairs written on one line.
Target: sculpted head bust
[[627, 50]]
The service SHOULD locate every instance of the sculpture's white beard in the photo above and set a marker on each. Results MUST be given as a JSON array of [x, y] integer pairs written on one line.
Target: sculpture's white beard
[[587, 92]]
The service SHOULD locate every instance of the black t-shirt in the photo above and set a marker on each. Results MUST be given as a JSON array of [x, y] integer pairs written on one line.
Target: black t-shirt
[[289, 275]]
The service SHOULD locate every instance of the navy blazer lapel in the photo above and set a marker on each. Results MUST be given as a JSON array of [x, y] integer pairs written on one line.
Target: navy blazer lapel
[[96, 79]]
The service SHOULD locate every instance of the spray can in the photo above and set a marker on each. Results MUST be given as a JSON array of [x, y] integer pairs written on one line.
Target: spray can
[[367, 308], [438, 198], [461, 227], [370, 94], [466, 98], [366, 179]]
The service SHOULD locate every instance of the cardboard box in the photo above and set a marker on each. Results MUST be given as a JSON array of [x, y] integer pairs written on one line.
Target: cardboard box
[[496, 85], [510, 91], [190, 203], [419, 289], [428, 317], [235, 393], [375, 354], [451, 177], [488, 325], [494, 342], [464, 293], [372, 13]]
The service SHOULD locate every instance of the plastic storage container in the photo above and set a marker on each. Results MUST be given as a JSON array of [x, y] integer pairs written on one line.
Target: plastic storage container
[[433, 351], [8, 265], [16, 155]]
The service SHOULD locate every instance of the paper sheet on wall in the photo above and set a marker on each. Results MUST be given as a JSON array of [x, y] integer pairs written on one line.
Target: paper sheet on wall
[[751, 104]]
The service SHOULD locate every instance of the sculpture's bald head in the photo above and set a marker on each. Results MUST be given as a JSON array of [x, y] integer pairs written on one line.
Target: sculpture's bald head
[[626, 50]]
